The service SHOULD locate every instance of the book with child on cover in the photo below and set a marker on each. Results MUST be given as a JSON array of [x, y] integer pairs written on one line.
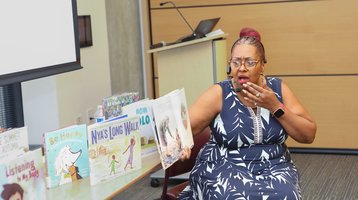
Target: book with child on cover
[[173, 129], [143, 110], [22, 177], [66, 155], [114, 148]]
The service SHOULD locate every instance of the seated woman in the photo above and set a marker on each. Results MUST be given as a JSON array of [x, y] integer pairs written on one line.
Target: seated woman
[[250, 117]]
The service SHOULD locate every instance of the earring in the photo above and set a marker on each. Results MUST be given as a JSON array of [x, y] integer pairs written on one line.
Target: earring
[[263, 79]]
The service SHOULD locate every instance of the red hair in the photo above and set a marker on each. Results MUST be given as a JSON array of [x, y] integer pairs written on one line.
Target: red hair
[[252, 37], [250, 32]]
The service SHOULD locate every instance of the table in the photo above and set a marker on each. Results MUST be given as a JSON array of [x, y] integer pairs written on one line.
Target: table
[[82, 189]]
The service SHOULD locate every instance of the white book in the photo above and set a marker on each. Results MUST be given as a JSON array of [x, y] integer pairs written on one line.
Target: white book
[[14, 142], [143, 110], [172, 126], [23, 175], [114, 148]]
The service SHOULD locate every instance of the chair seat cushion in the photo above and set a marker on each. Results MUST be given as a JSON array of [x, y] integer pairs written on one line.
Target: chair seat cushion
[[174, 192]]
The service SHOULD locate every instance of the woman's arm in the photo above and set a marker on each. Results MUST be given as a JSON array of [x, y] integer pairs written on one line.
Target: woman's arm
[[298, 123], [205, 108]]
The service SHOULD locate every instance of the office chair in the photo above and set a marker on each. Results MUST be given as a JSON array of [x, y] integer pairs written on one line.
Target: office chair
[[181, 167]]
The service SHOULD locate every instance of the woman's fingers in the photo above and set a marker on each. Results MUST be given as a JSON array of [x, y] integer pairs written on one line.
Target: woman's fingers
[[185, 154]]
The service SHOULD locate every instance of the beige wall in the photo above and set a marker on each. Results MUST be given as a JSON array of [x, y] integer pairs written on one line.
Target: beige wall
[[312, 45], [83, 89]]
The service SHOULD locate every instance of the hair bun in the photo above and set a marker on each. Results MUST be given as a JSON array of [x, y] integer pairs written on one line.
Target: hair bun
[[250, 32]]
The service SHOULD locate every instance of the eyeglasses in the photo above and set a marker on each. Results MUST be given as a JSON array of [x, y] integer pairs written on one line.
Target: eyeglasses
[[248, 62]]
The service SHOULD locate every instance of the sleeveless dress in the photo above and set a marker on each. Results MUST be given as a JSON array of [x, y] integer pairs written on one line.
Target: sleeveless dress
[[246, 157]]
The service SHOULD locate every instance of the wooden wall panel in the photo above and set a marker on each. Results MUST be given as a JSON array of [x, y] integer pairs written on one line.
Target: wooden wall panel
[[306, 37], [333, 103], [205, 3]]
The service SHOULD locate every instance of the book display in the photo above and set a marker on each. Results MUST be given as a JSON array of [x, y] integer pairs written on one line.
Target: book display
[[66, 155], [91, 159], [173, 130], [114, 148]]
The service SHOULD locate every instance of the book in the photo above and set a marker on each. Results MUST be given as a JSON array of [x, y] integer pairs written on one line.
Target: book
[[143, 110], [114, 148], [14, 142], [66, 155], [23, 176], [112, 105], [172, 125]]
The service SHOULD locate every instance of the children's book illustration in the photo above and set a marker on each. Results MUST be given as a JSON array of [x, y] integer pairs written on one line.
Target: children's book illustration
[[22, 177], [112, 105], [113, 149], [66, 155], [173, 130], [143, 110]]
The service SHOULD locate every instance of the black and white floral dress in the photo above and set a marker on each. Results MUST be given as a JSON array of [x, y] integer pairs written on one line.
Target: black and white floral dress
[[246, 157]]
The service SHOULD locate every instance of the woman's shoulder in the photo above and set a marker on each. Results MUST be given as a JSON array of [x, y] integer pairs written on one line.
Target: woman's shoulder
[[273, 79], [274, 83]]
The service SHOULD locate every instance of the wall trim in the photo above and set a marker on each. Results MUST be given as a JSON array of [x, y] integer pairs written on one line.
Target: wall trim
[[324, 151]]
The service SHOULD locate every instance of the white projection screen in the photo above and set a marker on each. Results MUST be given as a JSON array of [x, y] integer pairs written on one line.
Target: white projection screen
[[38, 38]]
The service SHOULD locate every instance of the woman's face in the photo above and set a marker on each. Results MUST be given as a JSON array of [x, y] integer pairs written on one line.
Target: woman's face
[[246, 64], [16, 196]]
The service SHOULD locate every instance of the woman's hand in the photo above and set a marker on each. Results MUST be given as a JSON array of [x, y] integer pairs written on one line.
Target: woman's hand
[[297, 122], [185, 154], [261, 96]]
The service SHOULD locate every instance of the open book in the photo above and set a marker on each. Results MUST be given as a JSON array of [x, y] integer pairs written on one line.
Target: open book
[[172, 124]]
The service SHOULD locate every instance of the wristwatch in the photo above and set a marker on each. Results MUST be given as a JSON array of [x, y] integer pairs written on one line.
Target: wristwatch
[[279, 112]]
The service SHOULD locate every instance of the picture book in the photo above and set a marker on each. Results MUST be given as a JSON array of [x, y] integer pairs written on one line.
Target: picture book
[[114, 148], [14, 142], [112, 105], [22, 177], [173, 129], [66, 155], [143, 109]]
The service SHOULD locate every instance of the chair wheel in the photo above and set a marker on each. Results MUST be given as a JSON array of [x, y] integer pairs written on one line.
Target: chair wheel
[[154, 182]]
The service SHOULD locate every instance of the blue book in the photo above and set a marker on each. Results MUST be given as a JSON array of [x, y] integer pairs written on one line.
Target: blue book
[[66, 155]]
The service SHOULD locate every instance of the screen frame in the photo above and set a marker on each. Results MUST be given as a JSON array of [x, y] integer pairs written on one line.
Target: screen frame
[[26, 75]]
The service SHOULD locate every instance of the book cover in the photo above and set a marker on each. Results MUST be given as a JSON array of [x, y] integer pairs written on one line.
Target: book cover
[[112, 105], [173, 129], [66, 155], [143, 110], [14, 142], [22, 177], [114, 148]]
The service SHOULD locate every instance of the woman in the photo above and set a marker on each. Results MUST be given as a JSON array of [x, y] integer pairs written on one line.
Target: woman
[[250, 117]]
